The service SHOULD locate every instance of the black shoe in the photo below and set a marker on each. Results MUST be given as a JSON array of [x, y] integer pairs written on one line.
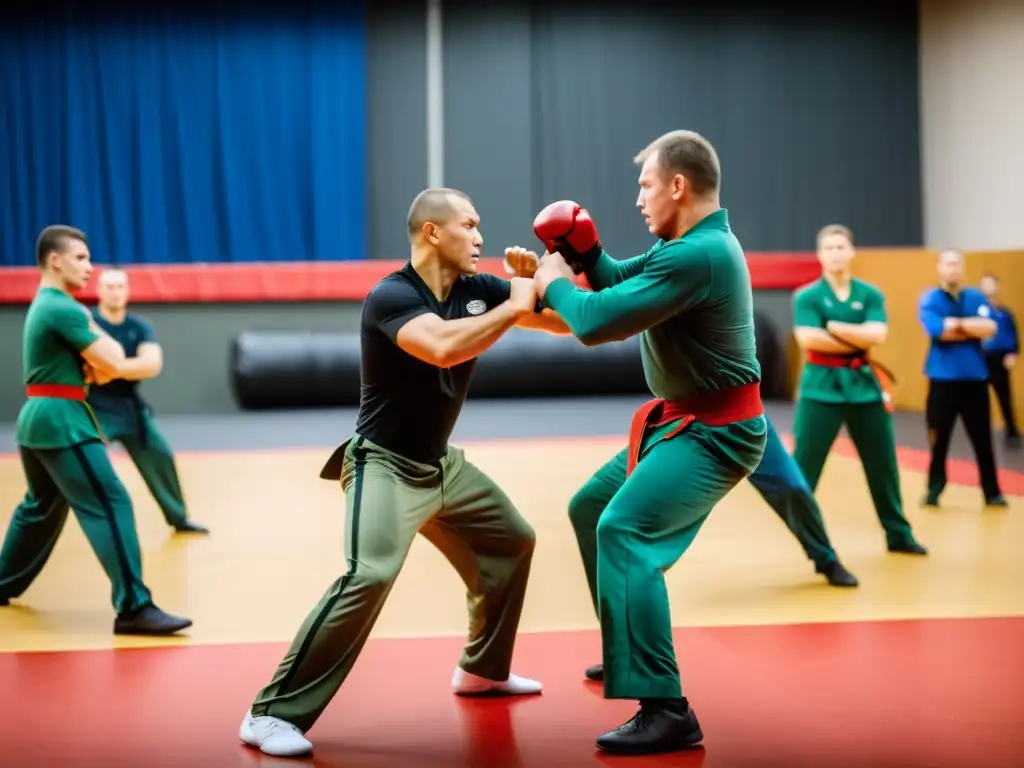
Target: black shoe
[[149, 620], [595, 672], [837, 574], [658, 727], [1013, 442], [908, 548], [996, 501], [4, 600], [930, 501], [190, 527]]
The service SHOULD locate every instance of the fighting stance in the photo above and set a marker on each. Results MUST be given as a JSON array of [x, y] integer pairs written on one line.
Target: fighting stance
[[779, 481], [689, 298], [838, 319], [63, 456], [422, 328], [1001, 351], [122, 414], [957, 319]]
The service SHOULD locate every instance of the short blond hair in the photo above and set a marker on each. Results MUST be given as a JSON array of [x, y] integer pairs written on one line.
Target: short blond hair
[[687, 153], [835, 229]]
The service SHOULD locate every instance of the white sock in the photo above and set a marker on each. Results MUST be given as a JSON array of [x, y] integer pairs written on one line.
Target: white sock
[[466, 683]]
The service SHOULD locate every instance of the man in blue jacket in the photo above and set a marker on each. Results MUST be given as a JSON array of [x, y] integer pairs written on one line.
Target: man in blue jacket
[[1001, 352], [958, 319]]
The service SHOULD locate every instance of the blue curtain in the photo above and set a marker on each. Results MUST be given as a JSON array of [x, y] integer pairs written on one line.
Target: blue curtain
[[215, 136]]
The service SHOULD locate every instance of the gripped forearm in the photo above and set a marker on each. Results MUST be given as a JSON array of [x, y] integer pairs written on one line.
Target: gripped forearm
[[466, 338]]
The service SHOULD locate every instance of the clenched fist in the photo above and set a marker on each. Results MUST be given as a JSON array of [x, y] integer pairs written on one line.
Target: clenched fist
[[520, 262]]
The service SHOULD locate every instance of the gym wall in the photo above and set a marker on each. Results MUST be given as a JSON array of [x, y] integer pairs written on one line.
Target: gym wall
[[806, 108]]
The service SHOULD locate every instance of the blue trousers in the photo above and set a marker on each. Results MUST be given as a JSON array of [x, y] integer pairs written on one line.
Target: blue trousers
[[781, 483]]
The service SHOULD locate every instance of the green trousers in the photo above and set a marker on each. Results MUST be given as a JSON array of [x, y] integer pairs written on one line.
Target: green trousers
[[389, 499], [815, 427], [135, 429], [630, 531], [779, 481], [82, 478]]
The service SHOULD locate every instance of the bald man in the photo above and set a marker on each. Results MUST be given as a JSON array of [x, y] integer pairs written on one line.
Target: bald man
[[123, 416], [422, 329]]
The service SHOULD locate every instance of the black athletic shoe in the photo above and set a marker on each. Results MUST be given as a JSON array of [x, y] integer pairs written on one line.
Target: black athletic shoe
[[190, 527], [4, 600], [907, 548], [659, 726], [996, 501], [837, 574], [595, 673], [149, 620]]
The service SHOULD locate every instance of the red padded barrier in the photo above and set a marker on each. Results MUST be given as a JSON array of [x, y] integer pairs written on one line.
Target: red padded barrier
[[322, 281]]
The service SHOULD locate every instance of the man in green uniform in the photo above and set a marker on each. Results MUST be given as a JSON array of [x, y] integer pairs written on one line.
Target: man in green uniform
[[122, 414], [422, 329], [838, 319], [64, 458], [689, 297]]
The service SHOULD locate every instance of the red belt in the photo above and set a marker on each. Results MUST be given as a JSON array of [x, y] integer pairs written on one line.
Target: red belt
[[60, 391], [836, 361], [716, 409], [885, 377]]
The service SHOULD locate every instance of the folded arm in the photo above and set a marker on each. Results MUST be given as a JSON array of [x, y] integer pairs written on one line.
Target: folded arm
[[978, 327], [671, 281], [147, 363], [811, 339], [937, 327], [860, 335]]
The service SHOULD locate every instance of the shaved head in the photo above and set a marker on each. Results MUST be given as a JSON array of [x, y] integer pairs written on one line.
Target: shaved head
[[437, 205]]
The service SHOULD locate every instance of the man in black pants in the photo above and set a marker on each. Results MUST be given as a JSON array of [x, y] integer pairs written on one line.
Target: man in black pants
[[1001, 352], [957, 319]]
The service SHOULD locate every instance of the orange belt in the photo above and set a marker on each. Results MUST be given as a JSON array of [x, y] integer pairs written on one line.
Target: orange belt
[[885, 377], [716, 409], [60, 391]]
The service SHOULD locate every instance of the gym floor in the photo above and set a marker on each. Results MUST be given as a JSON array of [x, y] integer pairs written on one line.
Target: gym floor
[[919, 666]]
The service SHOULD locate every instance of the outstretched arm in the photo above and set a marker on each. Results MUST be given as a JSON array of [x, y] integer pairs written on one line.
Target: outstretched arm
[[404, 317], [606, 271], [673, 279]]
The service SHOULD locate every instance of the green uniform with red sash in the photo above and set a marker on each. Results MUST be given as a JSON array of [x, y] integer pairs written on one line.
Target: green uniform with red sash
[[852, 390], [690, 301], [65, 461]]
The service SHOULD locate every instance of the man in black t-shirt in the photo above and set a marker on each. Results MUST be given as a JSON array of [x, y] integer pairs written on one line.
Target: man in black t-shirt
[[422, 328]]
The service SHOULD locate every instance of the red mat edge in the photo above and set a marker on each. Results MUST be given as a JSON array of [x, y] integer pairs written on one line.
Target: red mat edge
[[323, 281]]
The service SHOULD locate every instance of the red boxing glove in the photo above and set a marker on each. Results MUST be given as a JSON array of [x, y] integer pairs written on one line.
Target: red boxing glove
[[567, 228]]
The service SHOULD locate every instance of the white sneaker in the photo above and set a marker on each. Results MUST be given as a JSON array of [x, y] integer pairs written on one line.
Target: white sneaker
[[467, 684], [274, 736]]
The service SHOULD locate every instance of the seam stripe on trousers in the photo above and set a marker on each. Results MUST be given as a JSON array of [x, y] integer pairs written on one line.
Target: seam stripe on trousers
[[108, 510], [359, 454]]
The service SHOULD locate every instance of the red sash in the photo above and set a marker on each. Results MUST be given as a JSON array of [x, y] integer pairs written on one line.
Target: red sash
[[716, 409], [885, 377], [60, 391]]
